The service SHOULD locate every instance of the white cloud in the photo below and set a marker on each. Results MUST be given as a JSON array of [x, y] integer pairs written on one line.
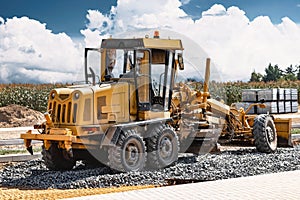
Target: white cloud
[[237, 45], [184, 2], [32, 53], [98, 20], [215, 10], [91, 38], [133, 15]]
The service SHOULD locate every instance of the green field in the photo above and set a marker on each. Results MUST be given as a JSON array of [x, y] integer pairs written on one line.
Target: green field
[[35, 96], [32, 96]]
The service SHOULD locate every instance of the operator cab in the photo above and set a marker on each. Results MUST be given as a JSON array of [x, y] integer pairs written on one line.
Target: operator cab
[[150, 64]]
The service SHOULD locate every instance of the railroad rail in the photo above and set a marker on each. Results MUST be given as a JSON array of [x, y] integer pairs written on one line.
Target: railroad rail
[[14, 141]]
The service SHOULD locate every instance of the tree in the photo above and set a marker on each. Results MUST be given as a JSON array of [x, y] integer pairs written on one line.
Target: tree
[[298, 73], [289, 73], [256, 77], [191, 80], [273, 73]]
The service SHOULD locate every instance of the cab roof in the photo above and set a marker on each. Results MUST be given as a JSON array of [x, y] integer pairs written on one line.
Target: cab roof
[[151, 43]]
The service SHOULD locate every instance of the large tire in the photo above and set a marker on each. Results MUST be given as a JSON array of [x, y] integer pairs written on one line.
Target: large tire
[[264, 132], [54, 158], [129, 153], [163, 146]]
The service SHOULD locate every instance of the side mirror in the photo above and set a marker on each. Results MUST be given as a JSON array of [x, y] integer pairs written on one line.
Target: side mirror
[[180, 61], [139, 55]]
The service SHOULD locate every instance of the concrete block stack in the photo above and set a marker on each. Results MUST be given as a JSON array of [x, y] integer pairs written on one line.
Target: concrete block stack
[[277, 100]]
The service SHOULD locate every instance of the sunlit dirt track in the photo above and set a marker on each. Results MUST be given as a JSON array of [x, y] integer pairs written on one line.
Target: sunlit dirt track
[[13, 193]]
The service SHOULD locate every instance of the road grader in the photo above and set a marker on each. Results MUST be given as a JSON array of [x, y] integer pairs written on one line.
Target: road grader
[[133, 114]]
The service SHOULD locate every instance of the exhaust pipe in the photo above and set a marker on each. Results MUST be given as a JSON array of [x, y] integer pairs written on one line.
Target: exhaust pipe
[[206, 81]]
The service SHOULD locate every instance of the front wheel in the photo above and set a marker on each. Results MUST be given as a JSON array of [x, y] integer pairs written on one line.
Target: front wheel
[[55, 159], [265, 135]]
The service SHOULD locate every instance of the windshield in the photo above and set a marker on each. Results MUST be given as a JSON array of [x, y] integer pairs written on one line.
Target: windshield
[[118, 62]]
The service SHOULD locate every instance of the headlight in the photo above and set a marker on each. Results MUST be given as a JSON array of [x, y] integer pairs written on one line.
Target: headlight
[[76, 95], [52, 95]]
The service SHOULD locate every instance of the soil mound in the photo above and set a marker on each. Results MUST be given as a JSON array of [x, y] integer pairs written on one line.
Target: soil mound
[[19, 116]]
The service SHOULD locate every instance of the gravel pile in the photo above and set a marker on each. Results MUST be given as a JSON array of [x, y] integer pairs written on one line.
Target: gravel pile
[[229, 164]]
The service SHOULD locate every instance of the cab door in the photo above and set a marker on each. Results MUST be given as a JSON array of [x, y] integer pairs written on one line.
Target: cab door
[[162, 74]]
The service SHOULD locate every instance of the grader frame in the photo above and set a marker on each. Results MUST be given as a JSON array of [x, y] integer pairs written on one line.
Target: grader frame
[[135, 116]]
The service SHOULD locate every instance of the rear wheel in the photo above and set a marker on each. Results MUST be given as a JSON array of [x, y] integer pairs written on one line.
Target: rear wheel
[[56, 159], [265, 136], [163, 146], [129, 154]]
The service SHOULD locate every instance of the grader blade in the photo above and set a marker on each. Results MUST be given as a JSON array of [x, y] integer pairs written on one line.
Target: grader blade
[[283, 128]]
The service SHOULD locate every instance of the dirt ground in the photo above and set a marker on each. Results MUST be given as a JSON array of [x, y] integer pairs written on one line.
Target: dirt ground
[[19, 116], [14, 193]]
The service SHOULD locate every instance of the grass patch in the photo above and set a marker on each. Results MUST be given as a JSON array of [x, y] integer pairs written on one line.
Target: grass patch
[[295, 131], [18, 151]]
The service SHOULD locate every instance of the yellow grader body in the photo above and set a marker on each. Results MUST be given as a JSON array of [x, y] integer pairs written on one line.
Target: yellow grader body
[[264, 131], [136, 116]]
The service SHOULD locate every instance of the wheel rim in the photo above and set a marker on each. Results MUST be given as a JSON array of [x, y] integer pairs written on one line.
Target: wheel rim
[[270, 134], [166, 147], [271, 138], [133, 154]]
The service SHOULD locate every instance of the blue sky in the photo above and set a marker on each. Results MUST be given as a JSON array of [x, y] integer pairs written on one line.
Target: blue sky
[[275, 9], [43, 41], [69, 16], [59, 15]]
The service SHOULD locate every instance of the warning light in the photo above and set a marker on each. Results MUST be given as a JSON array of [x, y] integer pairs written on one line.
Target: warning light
[[156, 34]]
